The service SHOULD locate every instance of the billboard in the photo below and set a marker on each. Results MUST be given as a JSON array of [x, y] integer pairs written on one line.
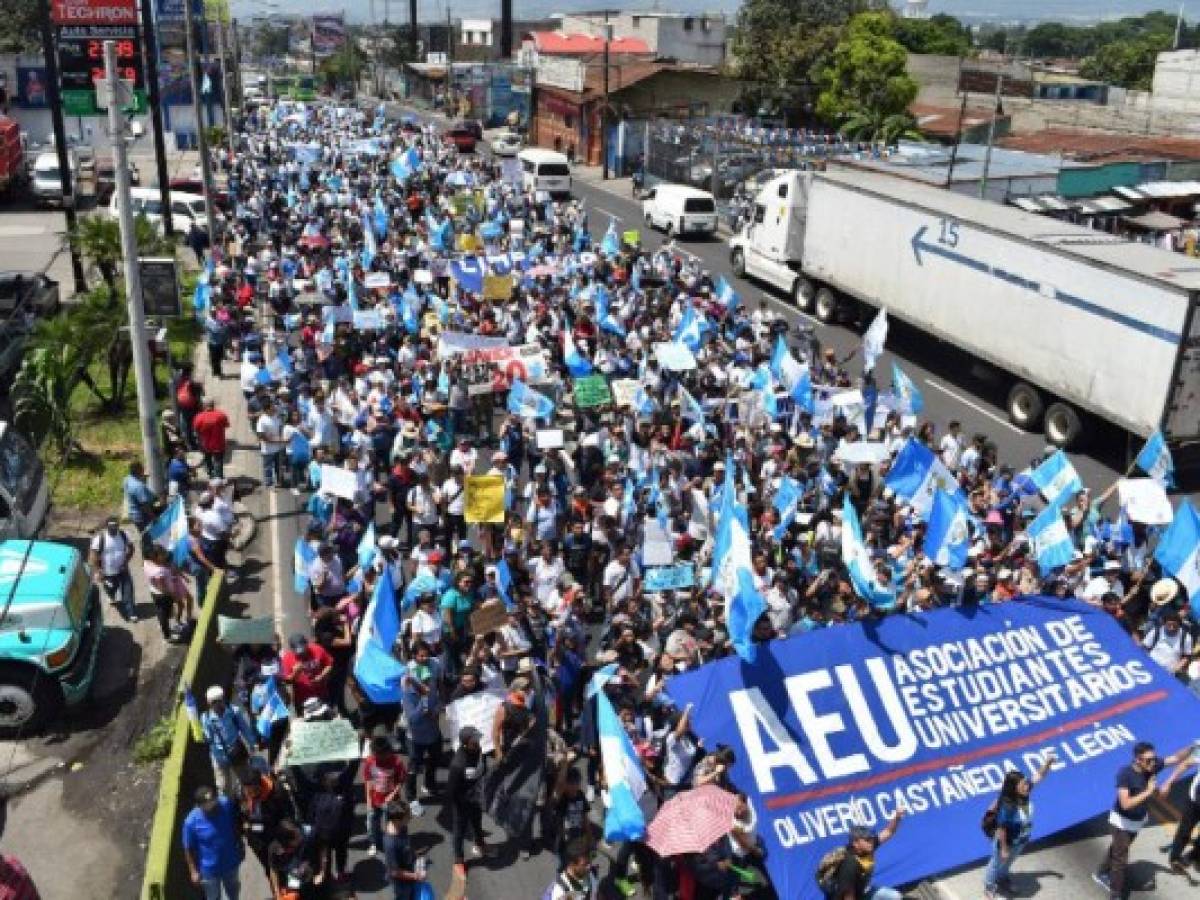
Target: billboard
[[31, 86], [81, 60], [328, 33]]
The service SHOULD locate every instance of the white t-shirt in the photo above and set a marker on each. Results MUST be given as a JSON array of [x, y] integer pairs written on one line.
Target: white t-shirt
[[456, 496], [951, 447], [679, 754], [618, 579], [270, 434], [1167, 649], [545, 577], [426, 627], [112, 551]]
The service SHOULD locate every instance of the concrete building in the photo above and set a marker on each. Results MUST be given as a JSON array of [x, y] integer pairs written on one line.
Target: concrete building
[[698, 38], [477, 33], [1176, 85]]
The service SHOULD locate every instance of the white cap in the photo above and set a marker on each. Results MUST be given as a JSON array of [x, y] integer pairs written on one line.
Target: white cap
[[214, 693]]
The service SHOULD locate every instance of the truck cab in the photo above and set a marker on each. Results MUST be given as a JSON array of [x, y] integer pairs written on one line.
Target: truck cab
[[50, 627], [770, 244]]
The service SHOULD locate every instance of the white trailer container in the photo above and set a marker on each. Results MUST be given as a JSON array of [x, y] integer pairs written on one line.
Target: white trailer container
[[1080, 320]]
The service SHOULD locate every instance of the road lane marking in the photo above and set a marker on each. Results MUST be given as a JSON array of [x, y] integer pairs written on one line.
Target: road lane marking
[[973, 405], [611, 215]]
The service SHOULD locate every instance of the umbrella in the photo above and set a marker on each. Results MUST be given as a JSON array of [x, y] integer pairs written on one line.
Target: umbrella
[[690, 821], [313, 241]]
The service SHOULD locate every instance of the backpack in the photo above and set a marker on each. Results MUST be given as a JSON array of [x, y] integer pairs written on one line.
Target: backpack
[[827, 869], [988, 823]]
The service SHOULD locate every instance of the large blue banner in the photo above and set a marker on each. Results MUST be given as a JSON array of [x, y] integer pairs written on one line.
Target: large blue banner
[[841, 726]]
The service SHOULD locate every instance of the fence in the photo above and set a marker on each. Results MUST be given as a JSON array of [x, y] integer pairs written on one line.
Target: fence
[[729, 155], [187, 766]]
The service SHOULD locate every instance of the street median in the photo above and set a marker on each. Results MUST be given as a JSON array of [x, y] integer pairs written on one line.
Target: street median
[[187, 765]]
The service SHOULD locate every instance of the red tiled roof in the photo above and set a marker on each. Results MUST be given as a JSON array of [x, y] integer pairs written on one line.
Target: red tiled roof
[[553, 42], [942, 121], [1104, 146]]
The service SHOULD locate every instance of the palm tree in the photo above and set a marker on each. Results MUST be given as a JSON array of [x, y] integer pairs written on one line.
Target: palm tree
[[877, 127], [91, 328], [42, 392], [98, 238]]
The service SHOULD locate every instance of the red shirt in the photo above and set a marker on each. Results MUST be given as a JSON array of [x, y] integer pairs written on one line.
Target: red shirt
[[305, 671], [382, 775], [210, 428]]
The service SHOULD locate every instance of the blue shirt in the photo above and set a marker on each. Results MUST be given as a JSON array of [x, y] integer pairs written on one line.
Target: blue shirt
[[212, 839], [139, 499]]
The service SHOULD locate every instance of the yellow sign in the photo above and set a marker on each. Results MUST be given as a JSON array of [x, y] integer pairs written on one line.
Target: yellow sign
[[485, 499], [632, 238], [497, 287], [466, 243]]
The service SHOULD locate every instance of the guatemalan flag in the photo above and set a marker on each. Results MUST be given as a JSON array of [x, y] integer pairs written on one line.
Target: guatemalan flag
[[727, 296], [784, 366], [170, 527], [1057, 479], [857, 559], [303, 557], [504, 583], [1050, 540], [691, 329], [623, 820], [948, 537], [786, 503], [873, 340], [274, 709], [577, 364], [528, 403], [733, 574], [643, 403], [1155, 460], [1178, 551], [916, 474], [689, 406], [911, 399], [376, 669], [367, 549]]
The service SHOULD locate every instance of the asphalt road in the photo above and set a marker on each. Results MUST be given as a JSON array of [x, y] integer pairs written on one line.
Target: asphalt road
[[953, 390]]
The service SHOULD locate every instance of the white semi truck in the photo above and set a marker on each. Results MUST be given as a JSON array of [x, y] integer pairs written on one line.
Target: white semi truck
[[1082, 322]]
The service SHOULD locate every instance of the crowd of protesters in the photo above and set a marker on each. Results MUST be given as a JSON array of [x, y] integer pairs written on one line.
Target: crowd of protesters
[[333, 297]]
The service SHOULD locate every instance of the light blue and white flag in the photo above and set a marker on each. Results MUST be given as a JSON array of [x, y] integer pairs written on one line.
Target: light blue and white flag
[[689, 406], [504, 583], [873, 340], [786, 502], [643, 403], [916, 474], [691, 329], [857, 559], [274, 709], [303, 556], [911, 399], [280, 367], [608, 321], [733, 572], [1155, 460], [1178, 551], [1050, 540], [610, 246], [785, 367], [948, 537], [727, 296], [376, 669], [527, 403], [1057, 479], [367, 548], [623, 821], [577, 364], [170, 527]]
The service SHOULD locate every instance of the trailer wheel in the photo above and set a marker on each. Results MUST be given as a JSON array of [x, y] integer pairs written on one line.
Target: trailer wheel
[[28, 700], [1063, 425], [1025, 406], [803, 293], [738, 260], [826, 305]]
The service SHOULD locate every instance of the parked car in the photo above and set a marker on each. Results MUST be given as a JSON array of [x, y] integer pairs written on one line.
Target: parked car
[[46, 180], [507, 143], [38, 292], [680, 209], [185, 208], [463, 139], [195, 185]]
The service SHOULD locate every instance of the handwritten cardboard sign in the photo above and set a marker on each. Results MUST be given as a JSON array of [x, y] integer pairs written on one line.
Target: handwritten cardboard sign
[[245, 631], [488, 617], [478, 711], [310, 743]]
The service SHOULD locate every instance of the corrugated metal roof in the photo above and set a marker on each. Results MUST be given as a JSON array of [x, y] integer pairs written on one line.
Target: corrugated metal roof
[[552, 42]]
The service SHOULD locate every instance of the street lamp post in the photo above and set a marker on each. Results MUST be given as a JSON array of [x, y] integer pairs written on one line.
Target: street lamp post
[[608, 33]]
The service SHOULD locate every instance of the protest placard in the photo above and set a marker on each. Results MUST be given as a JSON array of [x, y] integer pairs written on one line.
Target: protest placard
[[245, 631], [310, 743], [368, 320], [674, 356], [377, 280], [631, 238], [497, 287], [550, 439], [656, 546], [339, 482], [1145, 501], [591, 390], [423, 276], [485, 499], [623, 390], [490, 616], [478, 711], [869, 452], [670, 578]]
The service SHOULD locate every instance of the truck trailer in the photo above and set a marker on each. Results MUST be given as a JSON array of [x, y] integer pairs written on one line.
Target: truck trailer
[[1082, 323]]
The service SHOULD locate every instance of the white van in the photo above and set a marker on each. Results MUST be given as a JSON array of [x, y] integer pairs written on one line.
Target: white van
[[147, 201], [45, 180], [545, 170], [680, 209]]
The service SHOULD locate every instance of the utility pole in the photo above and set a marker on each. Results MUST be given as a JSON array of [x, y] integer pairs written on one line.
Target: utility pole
[[958, 134], [60, 145], [222, 9], [608, 31], [150, 50], [142, 371], [412, 30], [1178, 27], [210, 188], [987, 156]]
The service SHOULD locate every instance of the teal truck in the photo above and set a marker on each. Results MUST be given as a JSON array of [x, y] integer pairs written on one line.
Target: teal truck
[[51, 620]]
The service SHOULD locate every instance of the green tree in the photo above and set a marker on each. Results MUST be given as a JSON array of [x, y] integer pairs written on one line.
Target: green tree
[[344, 68], [782, 42], [1128, 64], [866, 76], [98, 238], [20, 30], [940, 34], [879, 127]]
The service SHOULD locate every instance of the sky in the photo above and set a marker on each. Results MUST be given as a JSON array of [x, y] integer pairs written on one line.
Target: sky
[[1080, 11]]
